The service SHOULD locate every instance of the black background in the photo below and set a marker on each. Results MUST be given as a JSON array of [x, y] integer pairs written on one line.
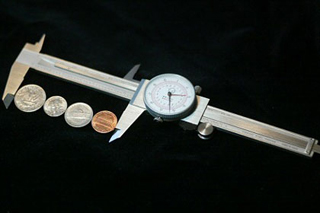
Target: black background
[[257, 59]]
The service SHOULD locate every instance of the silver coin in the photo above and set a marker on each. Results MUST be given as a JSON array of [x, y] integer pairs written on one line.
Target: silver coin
[[30, 98], [55, 106], [78, 114]]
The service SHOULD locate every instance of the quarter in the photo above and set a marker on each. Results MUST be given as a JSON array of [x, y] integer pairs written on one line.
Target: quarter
[[30, 98], [104, 121], [55, 106], [78, 115]]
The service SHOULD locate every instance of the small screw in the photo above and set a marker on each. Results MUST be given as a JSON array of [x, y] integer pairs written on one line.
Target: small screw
[[158, 119], [197, 89]]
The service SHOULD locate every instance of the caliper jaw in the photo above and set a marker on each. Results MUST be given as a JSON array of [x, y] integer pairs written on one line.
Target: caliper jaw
[[129, 76], [17, 73], [133, 111]]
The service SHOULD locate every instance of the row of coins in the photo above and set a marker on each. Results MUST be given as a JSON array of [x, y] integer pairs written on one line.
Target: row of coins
[[31, 97]]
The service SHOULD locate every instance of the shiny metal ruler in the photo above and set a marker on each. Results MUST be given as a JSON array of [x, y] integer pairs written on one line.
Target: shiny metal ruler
[[135, 92]]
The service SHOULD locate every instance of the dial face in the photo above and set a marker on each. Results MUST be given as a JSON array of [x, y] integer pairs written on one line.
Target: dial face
[[169, 96]]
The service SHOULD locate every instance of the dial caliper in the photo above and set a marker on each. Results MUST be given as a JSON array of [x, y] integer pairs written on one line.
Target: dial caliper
[[167, 97]]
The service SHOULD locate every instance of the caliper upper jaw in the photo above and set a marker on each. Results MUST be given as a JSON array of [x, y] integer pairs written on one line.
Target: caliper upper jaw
[[17, 73], [133, 111], [129, 76]]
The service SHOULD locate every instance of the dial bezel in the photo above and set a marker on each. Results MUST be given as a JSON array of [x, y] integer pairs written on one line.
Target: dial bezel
[[189, 108]]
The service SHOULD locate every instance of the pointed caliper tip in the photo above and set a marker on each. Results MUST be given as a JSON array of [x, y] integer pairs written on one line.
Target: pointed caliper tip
[[117, 134], [7, 100], [135, 68], [132, 72]]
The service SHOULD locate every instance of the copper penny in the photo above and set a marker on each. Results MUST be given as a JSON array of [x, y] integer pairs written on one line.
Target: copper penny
[[104, 121]]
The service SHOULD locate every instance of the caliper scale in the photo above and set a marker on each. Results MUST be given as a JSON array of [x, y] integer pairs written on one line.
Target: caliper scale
[[167, 97]]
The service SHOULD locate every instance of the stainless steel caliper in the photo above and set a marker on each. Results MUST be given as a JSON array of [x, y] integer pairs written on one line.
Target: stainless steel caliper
[[167, 97]]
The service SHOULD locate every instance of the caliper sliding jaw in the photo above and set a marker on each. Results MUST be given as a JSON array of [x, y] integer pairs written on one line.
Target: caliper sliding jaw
[[136, 107]]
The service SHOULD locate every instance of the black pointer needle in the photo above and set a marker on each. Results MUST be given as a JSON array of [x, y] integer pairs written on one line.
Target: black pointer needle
[[169, 94]]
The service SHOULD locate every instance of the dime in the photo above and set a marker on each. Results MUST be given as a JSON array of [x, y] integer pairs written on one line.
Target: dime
[[55, 106], [104, 121], [30, 98], [78, 114]]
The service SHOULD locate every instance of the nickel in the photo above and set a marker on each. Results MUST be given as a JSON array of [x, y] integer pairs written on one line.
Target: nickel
[[55, 106], [104, 121], [30, 98], [78, 114]]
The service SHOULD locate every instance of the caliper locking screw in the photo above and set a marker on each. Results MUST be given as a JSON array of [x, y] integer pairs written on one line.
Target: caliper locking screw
[[205, 131]]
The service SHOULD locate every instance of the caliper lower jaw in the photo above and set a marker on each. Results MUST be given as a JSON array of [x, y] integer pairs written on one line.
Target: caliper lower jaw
[[17, 73], [133, 111]]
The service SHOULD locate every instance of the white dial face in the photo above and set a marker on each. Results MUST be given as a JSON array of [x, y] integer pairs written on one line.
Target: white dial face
[[169, 96]]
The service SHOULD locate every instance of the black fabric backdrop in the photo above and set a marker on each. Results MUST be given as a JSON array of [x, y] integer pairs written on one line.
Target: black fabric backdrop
[[260, 60]]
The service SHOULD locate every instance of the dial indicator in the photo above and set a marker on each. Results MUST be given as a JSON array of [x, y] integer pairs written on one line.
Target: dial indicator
[[169, 96]]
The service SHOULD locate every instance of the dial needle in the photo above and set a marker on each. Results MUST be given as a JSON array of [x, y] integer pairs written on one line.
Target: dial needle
[[169, 94]]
